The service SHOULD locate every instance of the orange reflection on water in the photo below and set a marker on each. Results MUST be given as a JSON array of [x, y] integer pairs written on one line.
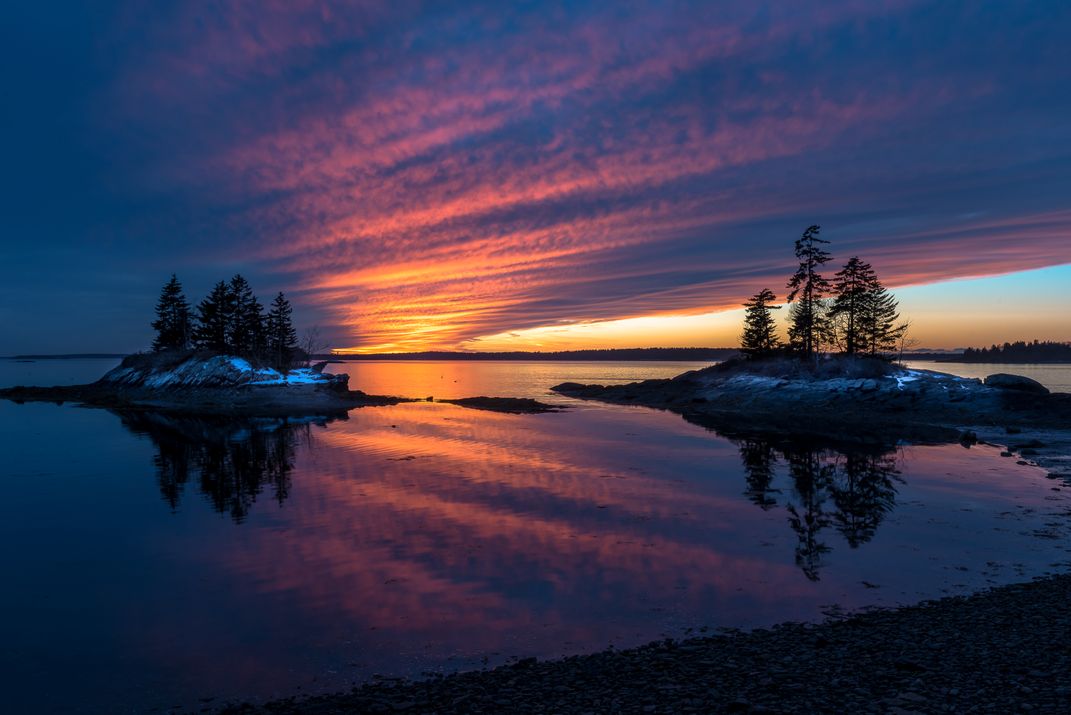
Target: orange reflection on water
[[433, 525]]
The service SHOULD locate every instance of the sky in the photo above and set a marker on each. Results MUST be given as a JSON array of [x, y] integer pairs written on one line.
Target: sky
[[531, 175]]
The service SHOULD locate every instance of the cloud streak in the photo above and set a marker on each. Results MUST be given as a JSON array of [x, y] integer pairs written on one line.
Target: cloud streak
[[424, 176]]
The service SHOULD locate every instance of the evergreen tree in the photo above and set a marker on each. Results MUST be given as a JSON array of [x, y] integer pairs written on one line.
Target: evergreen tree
[[245, 333], [214, 318], [807, 317], [852, 286], [281, 338], [172, 324], [880, 329], [760, 330]]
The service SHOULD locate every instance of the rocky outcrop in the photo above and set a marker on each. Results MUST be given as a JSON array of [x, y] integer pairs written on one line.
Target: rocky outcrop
[[186, 370], [509, 405], [1004, 381], [836, 400], [200, 383]]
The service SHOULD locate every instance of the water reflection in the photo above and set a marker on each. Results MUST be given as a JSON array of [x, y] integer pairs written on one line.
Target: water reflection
[[849, 488], [232, 461], [431, 537]]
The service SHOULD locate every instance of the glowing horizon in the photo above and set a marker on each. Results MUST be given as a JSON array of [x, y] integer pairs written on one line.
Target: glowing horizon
[[945, 327], [476, 177]]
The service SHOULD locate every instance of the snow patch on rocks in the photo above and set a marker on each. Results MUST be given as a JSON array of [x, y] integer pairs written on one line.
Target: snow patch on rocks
[[219, 371]]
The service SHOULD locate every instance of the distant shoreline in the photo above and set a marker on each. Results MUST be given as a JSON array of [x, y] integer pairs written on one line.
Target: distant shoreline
[[627, 354], [612, 354], [72, 356]]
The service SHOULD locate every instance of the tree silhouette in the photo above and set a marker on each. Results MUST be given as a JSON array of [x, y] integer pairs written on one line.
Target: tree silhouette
[[811, 478], [849, 488], [760, 330], [1020, 351], [230, 461], [215, 315], [759, 458], [853, 287], [245, 334], [879, 326], [172, 324], [808, 287], [863, 493], [281, 336]]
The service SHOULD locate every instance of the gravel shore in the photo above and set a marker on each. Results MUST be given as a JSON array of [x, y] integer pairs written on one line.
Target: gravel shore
[[1007, 650]]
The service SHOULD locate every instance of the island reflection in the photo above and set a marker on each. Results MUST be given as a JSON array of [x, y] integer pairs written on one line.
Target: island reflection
[[232, 461], [427, 537], [850, 489]]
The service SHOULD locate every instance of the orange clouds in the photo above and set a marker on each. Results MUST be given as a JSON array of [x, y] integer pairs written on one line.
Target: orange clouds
[[425, 182]]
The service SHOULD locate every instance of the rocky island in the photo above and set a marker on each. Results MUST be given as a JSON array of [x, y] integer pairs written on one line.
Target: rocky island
[[206, 383], [859, 399]]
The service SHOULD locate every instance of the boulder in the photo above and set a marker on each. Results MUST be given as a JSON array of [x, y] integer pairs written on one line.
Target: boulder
[[1004, 381]]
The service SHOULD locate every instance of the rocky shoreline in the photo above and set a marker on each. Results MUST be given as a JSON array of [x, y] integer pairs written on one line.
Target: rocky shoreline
[[1002, 651], [206, 384], [860, 401]]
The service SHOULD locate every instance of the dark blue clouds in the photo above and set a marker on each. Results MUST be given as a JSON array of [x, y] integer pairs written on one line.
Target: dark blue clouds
[[424, 174]]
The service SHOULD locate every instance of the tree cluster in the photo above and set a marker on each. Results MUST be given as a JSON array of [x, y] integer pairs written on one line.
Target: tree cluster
[[229, 321], [1020, 352], [852, 313]]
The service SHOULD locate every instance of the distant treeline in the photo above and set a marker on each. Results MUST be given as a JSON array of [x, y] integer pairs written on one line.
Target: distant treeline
[[629, 354], [1017, 352], [72, 356]]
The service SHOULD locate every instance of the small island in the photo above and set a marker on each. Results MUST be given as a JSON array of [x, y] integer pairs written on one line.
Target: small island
[[840, 376], [230, 357]]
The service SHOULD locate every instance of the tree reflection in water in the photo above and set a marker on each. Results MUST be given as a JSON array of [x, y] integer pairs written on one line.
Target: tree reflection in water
[[232, 461], [851, 489]]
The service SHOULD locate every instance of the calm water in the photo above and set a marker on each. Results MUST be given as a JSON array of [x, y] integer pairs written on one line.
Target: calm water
[[1055, 377], [153, 562], [497, 379]]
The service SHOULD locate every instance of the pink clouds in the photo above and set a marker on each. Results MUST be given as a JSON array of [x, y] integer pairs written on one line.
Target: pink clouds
[[428, 179]]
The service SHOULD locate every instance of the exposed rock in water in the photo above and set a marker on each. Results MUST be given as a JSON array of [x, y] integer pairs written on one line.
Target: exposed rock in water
[[167, 372], [513, 405], [836, 397], [205, 383], [1005, 381]]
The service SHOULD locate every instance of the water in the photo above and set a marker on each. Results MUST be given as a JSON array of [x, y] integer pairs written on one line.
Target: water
[[43, 373], [1055, 377], [450, 379], [153, 562]]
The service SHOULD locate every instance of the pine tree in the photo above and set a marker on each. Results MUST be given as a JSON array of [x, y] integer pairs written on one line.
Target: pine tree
[[245, 333], [281, 337], [880, 329], [214, 318], [172, 324], [852, 286], [807, 317], [760, 330]]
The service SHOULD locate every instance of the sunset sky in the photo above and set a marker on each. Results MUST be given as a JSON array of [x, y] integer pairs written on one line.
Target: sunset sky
[[531, 175]]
